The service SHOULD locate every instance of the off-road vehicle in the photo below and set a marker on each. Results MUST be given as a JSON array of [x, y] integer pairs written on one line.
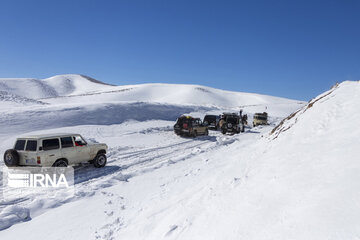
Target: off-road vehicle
[[260, 119], [189, 126], [212, 121], [231, 123], [57, 150]]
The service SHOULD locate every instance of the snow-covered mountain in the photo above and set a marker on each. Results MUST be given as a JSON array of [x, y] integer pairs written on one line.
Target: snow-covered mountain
[[74, 88], [292, 179], [68, 100], [60, 85]]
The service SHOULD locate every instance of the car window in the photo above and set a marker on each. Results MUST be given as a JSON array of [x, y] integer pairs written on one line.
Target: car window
[[20, 145], [79, 141], [260, 117], [232, 120], [50, 144], [210, 118], [31, 145], [66, 142]]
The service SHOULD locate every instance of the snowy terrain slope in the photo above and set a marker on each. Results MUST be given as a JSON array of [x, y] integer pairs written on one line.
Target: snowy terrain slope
[[68, 100], [177, 94], [8, 100], [60, 85], [78, 89], [299, 181], [155, 184]]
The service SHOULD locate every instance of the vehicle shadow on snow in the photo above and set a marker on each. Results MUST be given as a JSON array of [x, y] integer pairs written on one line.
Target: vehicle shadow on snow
[[252, 131], [201, 138], [87, 171]]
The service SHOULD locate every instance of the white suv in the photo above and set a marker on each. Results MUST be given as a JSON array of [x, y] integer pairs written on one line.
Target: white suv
[[57, 150]]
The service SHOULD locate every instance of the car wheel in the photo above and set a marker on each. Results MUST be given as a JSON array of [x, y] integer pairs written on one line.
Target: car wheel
[[223, 131], [60, 163], [100, 160], [11, 158]]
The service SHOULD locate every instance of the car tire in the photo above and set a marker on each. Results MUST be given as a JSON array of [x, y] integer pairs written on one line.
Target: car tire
[[60, 163], [223, 131], [100, 160], [11, 158]]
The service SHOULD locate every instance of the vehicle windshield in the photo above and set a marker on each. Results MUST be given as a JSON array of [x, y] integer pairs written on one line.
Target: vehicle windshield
[[260, 117], [79, 141], [232, 120], [181, 121], [210, 118]]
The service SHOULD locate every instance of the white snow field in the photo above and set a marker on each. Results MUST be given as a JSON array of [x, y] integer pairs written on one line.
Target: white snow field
[[298, 181]]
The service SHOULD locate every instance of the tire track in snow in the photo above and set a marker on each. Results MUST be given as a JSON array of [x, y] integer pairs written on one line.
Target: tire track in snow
[[124, 163]]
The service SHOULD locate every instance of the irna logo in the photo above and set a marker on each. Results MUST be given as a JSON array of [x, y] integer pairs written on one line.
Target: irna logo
[[37, 180]]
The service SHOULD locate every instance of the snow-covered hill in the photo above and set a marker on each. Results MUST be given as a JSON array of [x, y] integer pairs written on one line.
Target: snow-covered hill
[[60, 85], [294, 179], [68, 100], [78, 89]]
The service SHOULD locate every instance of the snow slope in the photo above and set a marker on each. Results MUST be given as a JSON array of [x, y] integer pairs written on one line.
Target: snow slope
[[8, 100], [60, 85], [78, 89], [176, 94], [68, 100], [298, 181]]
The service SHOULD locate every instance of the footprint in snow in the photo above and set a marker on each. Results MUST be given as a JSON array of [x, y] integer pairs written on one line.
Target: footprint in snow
[[172, 229]]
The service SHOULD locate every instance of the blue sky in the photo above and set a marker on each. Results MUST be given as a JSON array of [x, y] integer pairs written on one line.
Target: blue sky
[[294, 49]]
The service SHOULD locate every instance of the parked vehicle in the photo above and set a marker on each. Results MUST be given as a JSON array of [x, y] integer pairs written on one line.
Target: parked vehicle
[[212, 121], [56, 150], [231, 123], [260, 119], [189, 126]]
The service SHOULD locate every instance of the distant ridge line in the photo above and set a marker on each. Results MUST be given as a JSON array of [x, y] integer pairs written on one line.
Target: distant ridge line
[[95, 80]]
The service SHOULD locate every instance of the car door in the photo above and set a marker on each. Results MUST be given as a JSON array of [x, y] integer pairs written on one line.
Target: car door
[[30, 153], [68, 149], [51, 150], [201, 127], [82, 149]]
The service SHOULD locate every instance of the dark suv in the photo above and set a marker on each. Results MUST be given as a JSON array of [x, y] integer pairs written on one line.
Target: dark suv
[[212, 121], [231, 123], [189, 126]]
